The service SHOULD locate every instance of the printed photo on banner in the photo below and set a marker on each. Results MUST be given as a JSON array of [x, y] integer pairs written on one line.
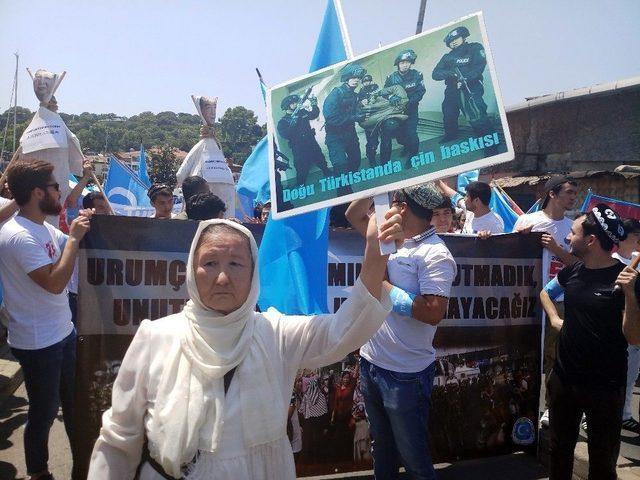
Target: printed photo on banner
[[423, 108]]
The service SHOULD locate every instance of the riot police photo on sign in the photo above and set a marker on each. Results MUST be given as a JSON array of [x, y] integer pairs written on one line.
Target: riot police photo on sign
[[421, 109]]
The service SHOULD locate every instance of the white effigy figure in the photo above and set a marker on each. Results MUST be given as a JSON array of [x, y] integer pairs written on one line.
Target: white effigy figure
[[206, 159], [48, 138]]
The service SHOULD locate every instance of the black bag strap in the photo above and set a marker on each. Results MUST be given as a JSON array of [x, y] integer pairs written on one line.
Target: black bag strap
[[146, 456], [227, 379]]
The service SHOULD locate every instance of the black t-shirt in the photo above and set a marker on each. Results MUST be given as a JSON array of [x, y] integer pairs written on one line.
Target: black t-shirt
[[591, 349]]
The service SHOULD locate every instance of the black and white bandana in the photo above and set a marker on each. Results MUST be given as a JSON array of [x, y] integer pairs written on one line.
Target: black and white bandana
[[426, 195], [609, 222]]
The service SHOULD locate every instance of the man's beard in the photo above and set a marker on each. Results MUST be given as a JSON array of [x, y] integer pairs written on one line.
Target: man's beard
[[50, 206], [577, 251]]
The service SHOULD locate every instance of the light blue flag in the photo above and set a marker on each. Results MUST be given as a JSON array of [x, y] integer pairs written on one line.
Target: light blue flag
[[253, 183], [124, 187], [466, 178], [244, 206], [293, 251], [142, 169], [501, 206], [254, 178]]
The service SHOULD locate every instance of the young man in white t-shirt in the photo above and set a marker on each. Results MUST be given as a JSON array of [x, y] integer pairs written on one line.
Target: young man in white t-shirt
[[397, 365], [36, 262], [8, 208], [480, 219], [560, 194]]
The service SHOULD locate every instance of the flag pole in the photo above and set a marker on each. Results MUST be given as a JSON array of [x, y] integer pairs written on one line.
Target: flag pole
[[15, 102], [423, 7], [95, 180], [343, 29]]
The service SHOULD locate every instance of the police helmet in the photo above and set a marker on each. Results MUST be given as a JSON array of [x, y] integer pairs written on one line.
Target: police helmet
[[407, 54], [288, 100], [367, 78], [352, 70], [456, 33]]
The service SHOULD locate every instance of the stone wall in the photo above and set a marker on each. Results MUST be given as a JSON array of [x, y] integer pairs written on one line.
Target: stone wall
[[593, 132]]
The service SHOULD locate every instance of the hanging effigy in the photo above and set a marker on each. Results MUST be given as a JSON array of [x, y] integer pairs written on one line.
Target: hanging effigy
[[48, 138], [206, 159]]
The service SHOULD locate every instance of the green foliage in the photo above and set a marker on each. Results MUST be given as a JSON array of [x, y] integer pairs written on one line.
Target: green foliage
[[237, 131], [164, 166]]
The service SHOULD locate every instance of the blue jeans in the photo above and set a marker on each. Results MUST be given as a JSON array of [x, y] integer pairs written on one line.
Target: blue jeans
[[49, 376], [397, 406]]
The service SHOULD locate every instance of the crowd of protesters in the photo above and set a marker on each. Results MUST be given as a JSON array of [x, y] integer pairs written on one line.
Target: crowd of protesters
[[476, 402], [327, 421], [336, 415]]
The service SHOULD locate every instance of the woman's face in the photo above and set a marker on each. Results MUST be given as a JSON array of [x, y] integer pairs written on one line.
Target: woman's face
[[223, 270]]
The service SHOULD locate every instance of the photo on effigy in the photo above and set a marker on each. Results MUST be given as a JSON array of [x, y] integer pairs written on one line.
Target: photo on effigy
[[421, 109]]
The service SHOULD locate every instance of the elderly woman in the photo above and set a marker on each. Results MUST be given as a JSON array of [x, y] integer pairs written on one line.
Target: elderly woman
[[208, 388]]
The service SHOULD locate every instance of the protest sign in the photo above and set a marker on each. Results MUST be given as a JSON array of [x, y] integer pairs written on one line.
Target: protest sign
[[417, 110], [485, 396]]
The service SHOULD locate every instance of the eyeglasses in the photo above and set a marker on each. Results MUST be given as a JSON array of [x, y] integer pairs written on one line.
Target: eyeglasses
[[55, 185]]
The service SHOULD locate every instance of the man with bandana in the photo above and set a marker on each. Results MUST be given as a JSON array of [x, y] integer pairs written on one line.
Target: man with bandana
[[461, 70], [399, 360], [601, 318]]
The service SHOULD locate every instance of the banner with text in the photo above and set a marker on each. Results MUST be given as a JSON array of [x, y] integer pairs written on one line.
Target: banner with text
[[485, 397]]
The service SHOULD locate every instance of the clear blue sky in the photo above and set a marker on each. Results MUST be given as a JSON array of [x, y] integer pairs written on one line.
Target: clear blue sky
[[129, 56]]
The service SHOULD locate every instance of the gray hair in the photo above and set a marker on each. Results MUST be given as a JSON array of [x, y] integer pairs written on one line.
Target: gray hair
[[221, 228]]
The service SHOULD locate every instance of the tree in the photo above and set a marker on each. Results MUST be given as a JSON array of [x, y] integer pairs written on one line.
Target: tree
[[238, 131], [164, 165]]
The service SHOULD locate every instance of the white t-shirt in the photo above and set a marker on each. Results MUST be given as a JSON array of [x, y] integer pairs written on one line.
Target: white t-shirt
[[4, 202], [37, 318], [490, 221], [423, 266], [625, 260], [558, 229]]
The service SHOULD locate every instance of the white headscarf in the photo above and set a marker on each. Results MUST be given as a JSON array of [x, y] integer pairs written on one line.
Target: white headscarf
[[211, 345]]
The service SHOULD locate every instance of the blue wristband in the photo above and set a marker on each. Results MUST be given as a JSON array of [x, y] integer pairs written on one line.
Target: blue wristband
[[402, 301], [554, 289]]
